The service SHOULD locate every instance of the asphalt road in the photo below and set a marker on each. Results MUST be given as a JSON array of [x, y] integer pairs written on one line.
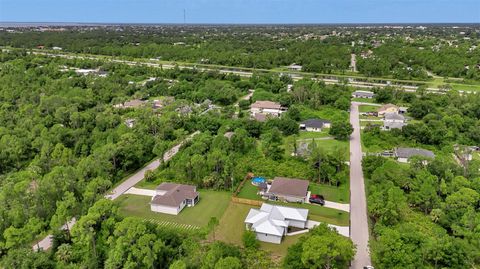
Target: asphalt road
[[46, 242], [358, 203]]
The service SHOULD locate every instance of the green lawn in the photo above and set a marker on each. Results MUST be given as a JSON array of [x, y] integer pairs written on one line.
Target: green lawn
[[249, 191], [367, 108], [333, 144], [211, 204], [305, 134], [339, 194]]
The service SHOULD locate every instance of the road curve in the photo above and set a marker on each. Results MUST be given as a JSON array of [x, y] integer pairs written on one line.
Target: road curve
[[46, 242], [358, 203]]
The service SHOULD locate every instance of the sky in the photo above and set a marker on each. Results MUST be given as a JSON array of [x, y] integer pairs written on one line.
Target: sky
[[241, 11]]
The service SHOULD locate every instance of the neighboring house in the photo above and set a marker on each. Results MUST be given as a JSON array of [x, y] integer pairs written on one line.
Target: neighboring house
[[161, 103], [266, 109], [171, 198], [130, 123], [388, 108], [295, 67], [270, 223], [314, 125], [393, 121], [403, 155], [288, 190], [363, 94], [402, 110], [136, 103]]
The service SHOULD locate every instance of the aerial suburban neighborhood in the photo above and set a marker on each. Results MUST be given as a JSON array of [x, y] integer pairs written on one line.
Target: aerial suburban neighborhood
[[239, 134]]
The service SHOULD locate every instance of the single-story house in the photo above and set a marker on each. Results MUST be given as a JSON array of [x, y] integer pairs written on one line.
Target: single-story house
[[288, 190], [267, 108], [393, 121], [270, 223], [295, 67], [388, 108], [136, 103], [363, 94], [314, 125], [403, 155], [171, 198]]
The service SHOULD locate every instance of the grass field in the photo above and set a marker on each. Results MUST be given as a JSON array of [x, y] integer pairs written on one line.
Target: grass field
[[367, 108], [211, 204], [304, 134]]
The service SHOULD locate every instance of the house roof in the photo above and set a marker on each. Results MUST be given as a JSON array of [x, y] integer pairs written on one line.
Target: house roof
[[266, 105], [314, 123], [174, 194], [272, 219], [409, 152], [289, 186], [394, 116], [394, 124], [363, 93], [387, 106], [134, 103]]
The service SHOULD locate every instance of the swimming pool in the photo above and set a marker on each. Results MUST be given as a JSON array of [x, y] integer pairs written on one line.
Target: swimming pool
[[257, 180]]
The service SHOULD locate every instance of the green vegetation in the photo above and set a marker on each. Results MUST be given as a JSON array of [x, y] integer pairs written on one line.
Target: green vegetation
[[367, 108], [211, 204]]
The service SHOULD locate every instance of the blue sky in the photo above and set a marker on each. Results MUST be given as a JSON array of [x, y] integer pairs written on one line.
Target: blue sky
[[241, 11]]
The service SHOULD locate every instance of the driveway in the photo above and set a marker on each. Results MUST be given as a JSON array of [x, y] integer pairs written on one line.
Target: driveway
[[137, 191], [330, 204], [343, 230], [46, 242], [358, 204]]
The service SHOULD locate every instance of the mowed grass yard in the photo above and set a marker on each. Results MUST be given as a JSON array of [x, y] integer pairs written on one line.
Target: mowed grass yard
[[367, 108], [231, 228], [211, 204]]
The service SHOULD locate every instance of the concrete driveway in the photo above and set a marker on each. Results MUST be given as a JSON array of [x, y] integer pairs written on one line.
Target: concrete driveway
[[358, 205]]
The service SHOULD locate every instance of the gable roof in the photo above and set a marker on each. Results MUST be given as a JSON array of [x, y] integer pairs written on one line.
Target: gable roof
[[273, 219], [394, 116], [266, 105], [394, 124], [314, 123], [289, 186], [174, 194], [410, 152], [364, 93]]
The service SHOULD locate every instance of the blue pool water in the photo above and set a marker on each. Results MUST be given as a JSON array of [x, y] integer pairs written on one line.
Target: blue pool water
[[258, 180]]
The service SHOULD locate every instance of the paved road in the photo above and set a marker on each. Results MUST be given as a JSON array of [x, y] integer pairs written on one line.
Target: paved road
[[46, 242], [358, 204]]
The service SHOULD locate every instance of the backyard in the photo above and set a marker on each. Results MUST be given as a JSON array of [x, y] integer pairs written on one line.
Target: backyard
[[339, 194], [211, 204]]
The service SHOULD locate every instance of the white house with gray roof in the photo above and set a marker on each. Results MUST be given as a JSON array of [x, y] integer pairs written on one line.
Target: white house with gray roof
[[314, 125], [363, 94], [393, 120], [270, 223]]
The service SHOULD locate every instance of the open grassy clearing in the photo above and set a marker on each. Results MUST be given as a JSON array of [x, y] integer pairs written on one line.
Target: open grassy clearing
[[367, 108], [328, 145], [305, 134], [211, 204]]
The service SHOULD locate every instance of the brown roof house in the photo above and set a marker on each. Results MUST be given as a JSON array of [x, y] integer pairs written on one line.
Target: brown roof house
[[260, 110], [288, 190], [388, 108], [171, 198]]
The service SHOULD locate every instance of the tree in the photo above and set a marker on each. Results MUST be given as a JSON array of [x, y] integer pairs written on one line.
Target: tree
[[178, 264], [229, 263], [249, 239], [341, 130], [272, 144], [322, 247]]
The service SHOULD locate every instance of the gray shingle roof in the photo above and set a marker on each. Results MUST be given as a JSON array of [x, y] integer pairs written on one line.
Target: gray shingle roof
[[410, 152], [289, 186], [175, 194], [314, 123]]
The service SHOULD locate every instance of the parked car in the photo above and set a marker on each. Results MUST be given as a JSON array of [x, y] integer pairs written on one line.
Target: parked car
[[317, 199]]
